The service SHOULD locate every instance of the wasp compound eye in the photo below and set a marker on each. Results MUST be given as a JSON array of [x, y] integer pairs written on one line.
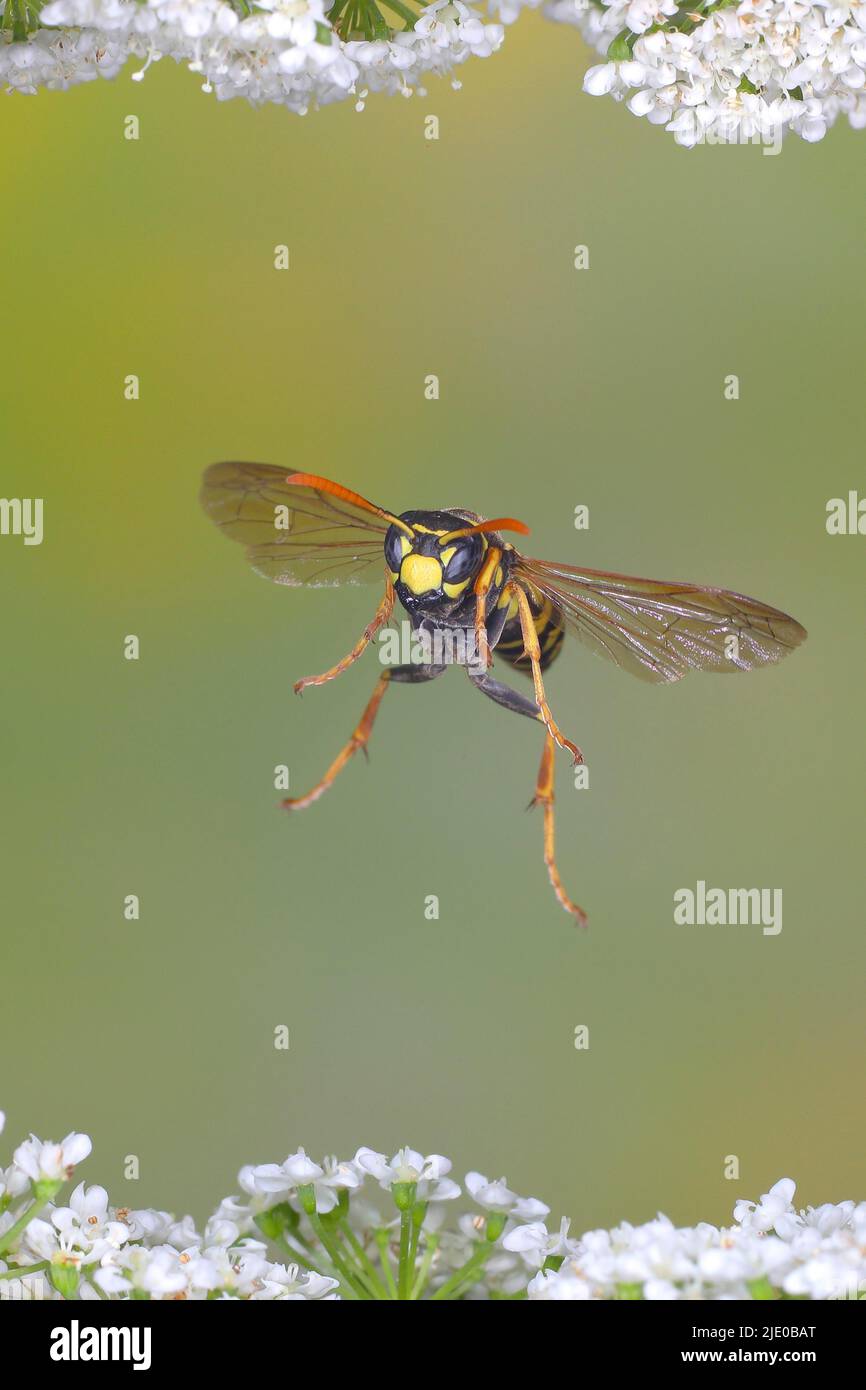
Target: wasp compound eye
[[461, 557], [396, 547]]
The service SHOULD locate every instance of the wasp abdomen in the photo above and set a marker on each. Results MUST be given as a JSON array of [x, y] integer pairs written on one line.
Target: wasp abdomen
[[547, 625]]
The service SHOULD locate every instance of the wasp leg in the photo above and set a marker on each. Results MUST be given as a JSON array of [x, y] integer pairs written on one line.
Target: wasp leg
[[521, 704], [533, 651], [504, 695], [363, 730], [544, 798], [480, 589], [383, 613]]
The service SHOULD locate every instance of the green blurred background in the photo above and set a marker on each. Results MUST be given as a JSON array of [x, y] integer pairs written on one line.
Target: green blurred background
[[603, 387]]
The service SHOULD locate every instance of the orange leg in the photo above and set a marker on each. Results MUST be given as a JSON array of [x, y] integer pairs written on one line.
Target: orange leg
[[544, 798], [358, 740], [481, 588], [532, 650], [383, 613]]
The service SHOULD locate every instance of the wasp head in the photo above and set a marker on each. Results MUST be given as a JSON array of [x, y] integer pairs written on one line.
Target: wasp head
[[431, 563]]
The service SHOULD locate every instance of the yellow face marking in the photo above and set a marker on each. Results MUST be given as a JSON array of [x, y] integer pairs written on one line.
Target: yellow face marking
[[421, 573], [455, 590], [405, 546], [445, 555]]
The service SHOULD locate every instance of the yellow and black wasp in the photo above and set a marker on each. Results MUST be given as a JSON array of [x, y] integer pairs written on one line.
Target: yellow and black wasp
[[457, 578]]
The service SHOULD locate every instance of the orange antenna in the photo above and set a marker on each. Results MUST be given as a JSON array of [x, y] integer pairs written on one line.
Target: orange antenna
[[320, 484], [499, 523]]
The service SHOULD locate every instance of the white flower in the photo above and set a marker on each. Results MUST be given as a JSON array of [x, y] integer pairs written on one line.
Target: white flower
[[447, 23], [763, 1215], [159, 1272], [600, 80], [496, 1196], [493, 1196], [297, 20], [536, 1245], [563, 1285], [745, 72], [284, 51], [408, 1166], [51, 1162], [183, 1234], [278, 1181], [301, 1170], [285, 1283], [94, 1250], [88, 1223], [828, 1218], [148, 1225], [825, 1276], [110, 1278], [14, 1182], [41, 1241]]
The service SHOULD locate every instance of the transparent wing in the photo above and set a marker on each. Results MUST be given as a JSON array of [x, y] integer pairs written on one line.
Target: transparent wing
[[293, 535], [658, 629]]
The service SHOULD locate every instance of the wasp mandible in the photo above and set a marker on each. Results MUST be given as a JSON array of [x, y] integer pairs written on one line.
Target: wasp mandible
[[457, 577]]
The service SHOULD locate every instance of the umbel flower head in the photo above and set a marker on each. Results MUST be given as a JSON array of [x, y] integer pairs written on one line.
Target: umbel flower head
[[297, 53], [728, 71], [713, 72], [390, 1227]]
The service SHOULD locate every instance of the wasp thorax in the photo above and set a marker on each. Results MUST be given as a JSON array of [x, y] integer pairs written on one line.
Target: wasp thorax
[[427, 561]]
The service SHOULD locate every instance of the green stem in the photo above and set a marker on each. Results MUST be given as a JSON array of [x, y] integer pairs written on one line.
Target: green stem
[[419, 1211], [430, 1248], [363, 1259], [405, 1243], [469, 1271], [381, 27], [382, 1242], [21, 1224], [22, 17], [351, 1278], [24, 1270], [295, 1255], [365, 18]]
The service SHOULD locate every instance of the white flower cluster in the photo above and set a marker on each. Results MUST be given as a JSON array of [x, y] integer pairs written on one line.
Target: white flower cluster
[[723, 72], [307, 1230], [282, 51], [715, 72], [773, 1251]]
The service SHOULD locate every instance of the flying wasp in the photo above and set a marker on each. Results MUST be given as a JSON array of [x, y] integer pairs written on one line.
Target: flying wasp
[[468, 592]]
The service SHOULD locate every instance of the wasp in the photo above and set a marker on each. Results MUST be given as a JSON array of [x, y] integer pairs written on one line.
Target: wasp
[[469, 592]]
